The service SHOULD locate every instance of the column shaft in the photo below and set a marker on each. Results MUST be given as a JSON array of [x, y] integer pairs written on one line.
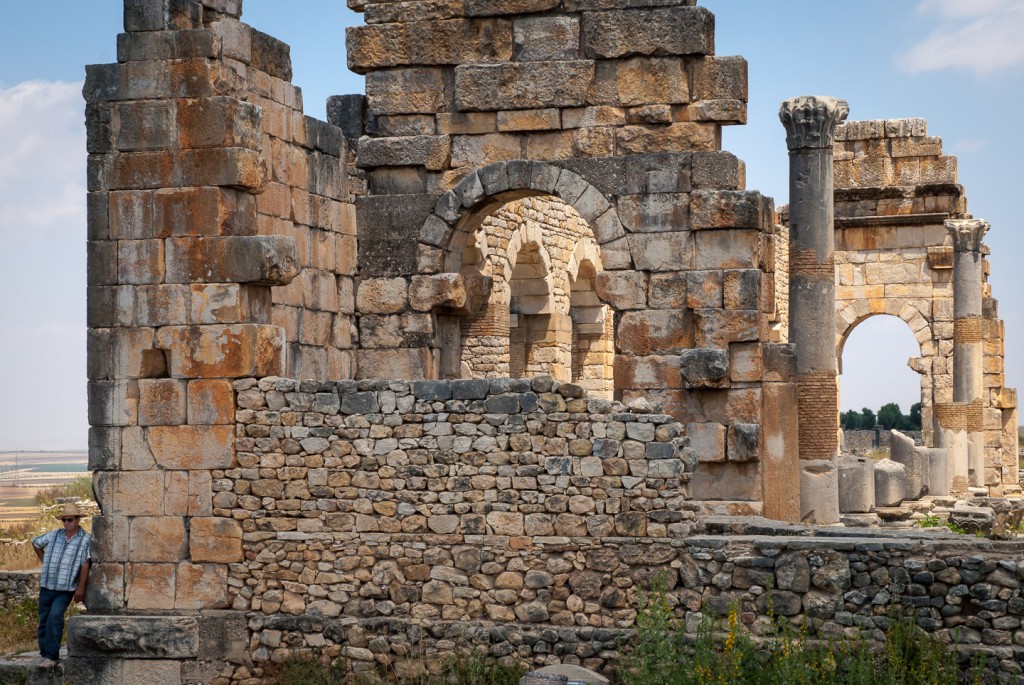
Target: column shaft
[[810, 124], [967, 411]]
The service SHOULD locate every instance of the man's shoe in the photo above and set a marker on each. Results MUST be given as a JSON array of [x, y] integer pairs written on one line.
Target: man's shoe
[[45, 663]]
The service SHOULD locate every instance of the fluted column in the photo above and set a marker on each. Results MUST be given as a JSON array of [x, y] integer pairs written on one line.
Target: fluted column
[[810, 123], [968, 354]]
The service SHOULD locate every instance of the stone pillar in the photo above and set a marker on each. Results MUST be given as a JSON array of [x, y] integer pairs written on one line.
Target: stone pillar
[[968, 353], [810, 123]]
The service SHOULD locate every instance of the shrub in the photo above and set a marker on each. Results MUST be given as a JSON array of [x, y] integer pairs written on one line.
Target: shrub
[[783, 656]]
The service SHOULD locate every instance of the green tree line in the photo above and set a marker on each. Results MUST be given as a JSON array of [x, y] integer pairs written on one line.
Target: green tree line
[[890, 416]]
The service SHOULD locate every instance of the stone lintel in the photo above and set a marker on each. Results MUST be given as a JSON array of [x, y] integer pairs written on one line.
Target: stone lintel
[[967, 234], [893, 220], [137, 637], [811, 120]]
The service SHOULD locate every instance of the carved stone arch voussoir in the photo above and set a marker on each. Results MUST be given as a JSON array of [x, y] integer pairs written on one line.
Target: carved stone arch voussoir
[[460, 211], [913, 319]]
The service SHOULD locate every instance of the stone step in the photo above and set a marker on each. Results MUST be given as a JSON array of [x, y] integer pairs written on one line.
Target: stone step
[[23, 671]]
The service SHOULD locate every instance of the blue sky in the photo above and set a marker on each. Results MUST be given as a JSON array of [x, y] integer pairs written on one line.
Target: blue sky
[[958, 64]]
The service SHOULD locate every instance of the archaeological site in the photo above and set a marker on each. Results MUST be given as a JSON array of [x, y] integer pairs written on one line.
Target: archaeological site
[[471, 363]]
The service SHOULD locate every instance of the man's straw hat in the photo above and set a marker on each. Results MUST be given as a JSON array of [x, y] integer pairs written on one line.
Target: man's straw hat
[[71, 509]]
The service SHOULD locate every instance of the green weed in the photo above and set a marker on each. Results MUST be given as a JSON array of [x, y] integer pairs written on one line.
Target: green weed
[[725, 653]]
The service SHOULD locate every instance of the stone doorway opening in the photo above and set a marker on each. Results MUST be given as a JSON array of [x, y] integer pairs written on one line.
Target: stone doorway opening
[[882, 360], [530, 270]]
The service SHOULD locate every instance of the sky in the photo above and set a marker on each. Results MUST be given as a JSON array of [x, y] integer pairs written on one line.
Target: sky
[[958, 64]]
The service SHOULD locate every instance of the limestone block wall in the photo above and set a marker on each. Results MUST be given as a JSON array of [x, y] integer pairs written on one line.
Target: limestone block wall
[[221, 245], [613, 112], [894, 189], [542, 260]]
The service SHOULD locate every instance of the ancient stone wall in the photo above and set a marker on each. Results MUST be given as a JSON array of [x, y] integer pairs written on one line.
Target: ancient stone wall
[[543, 261], [18, 585], [864, 441], [574, 599], [894, 256], [619, 112]]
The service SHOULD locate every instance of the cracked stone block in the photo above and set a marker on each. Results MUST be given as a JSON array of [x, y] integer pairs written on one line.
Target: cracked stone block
[[705, 368]]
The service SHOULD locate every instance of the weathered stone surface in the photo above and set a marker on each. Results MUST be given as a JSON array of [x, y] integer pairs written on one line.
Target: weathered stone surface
[[440, 290], [161, 402], [656, 31], [156, 538], [529, 85], [427, 43], [856, 484], [192, 447], [405, 91], [890, 483], [431, 152], [623, 290], [744, 442], [233, 351], [215, 540], [705, 368], [168, 637]]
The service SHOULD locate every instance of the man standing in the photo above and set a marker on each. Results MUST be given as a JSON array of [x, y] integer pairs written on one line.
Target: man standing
[[65, 556]]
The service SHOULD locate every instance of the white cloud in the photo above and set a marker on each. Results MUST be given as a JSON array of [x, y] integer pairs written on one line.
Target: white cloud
[[983, 36], [42, 231]]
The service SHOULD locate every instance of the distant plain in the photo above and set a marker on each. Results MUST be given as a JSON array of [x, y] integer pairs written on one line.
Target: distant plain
[[22, 474]]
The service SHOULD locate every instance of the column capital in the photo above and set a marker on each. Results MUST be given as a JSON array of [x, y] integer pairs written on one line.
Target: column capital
[[967, 234], [811, 120]]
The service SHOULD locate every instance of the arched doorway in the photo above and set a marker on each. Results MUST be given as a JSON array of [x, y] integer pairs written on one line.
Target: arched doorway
[[532, 265], [881, 364]]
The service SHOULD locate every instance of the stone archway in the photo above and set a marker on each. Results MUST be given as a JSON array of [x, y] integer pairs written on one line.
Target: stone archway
[[923, 364], [529, 257]]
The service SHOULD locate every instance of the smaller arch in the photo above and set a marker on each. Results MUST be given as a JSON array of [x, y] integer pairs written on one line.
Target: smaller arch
[[584, 252], [460, 211], [529, 275]]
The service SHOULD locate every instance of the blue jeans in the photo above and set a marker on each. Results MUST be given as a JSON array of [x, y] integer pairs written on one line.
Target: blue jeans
[[52, 605]]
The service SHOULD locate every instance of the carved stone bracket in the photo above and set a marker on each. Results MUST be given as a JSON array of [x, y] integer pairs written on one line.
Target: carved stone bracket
[[967, 234], [811, 120]]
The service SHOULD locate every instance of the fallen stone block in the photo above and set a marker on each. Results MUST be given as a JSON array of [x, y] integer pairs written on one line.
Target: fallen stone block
[[890, 483], [856, 484]]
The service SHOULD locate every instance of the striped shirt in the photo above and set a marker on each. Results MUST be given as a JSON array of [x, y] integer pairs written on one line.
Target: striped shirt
[[62, 559]]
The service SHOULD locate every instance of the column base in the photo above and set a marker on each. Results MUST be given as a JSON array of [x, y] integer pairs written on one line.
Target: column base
[[819, 492]]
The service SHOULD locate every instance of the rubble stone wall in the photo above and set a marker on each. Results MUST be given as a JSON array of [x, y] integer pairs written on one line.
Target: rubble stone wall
[[863, 441], [575, 599], [18, 585]]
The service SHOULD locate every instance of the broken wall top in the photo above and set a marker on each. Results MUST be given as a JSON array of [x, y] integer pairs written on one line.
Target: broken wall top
[[642, 65]]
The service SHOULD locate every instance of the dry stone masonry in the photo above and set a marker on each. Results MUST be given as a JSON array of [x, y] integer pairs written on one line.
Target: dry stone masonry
[[539, 332]]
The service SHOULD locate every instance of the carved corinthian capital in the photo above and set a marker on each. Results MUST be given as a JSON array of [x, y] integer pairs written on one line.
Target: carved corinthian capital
[[967, 233], [811, 120]]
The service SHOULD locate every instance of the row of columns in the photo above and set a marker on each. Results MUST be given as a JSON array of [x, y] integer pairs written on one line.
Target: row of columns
[[810, 124]]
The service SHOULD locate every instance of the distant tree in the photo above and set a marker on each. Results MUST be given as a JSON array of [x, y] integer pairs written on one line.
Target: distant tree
[[890, 416], [850, 420], [915, 416], [867, 419]]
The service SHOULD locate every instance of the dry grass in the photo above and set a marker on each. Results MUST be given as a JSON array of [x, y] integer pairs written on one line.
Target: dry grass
[[18, 556], [18, 627]]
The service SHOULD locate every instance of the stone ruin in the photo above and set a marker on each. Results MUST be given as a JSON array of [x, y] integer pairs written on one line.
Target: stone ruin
[[506, 338]]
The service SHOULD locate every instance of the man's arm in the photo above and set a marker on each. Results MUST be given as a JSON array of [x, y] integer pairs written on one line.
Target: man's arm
[[83, 578], [39, 552]]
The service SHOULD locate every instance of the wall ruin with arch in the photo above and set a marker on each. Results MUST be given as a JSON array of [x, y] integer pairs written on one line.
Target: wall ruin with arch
[[559, 162]]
